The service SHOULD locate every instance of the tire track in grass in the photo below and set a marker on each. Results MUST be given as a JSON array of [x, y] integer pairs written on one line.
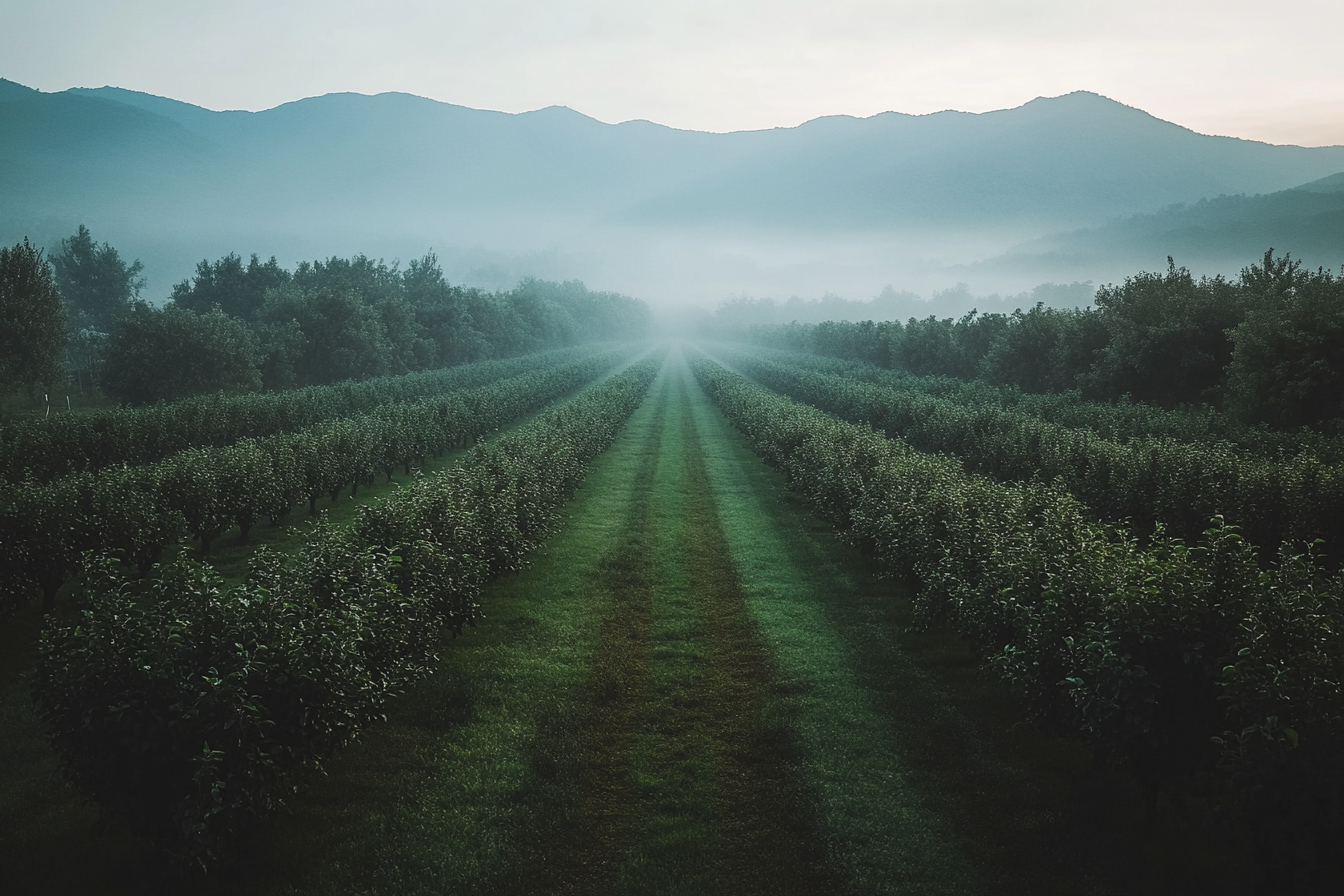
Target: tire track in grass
[[1034, 812], [676, 836], [881, 831], [720, 811], [666, 783], [581, 755], [477, 785], [775, 846]]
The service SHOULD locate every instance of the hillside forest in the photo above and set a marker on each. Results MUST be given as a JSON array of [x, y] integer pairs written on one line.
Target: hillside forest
[[239, 327]]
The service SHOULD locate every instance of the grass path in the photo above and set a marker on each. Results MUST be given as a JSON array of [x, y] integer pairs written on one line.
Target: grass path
[[695, 688], [599, 732], [924, 771], [41, 818]]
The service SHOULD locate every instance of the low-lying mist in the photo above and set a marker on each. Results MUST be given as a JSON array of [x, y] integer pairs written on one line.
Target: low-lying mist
[[956, 209], [673, 269]]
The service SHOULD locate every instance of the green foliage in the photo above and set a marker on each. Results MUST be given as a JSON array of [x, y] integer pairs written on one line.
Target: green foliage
[[203, 492], [187, 713], [865, 340], [1188, 661], [945, 347], [41, 528], [1044, 349], [34, 330], [444, 313], [64, 443], [1121, 421], [166, 355], [354, 318], [97, 286], [1266, 345], [1168, 338], [1144, 481], [236, 290], [1287, 366], [343, 336]]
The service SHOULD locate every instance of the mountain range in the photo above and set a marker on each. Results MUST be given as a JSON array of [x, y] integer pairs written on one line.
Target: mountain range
[[1076, 185], [1216, 234]]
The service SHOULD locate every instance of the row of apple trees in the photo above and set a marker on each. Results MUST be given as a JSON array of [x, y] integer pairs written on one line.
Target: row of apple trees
[[45, 447], [1119, 421], [1144, 481], [187, 711], [1204, 671], [137, 511]]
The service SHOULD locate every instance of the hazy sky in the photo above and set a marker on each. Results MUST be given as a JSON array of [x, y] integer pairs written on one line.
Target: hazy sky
[[1242, 68]]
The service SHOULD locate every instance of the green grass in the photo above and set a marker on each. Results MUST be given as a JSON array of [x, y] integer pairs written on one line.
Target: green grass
[[928, 776], [507, 767], [717, 807], [695, 688]]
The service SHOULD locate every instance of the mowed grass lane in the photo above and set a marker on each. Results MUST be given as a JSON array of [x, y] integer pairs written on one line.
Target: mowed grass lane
[[599, 731], [42, 819], [696, 688]]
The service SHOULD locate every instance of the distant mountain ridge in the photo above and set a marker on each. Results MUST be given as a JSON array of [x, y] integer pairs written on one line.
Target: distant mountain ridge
[[1223, 233], [1332, 184], [1070, 160], [347, 167]]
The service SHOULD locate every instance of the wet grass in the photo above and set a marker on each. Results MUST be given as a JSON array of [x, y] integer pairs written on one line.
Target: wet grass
[[502, 773], [610, 727], [695, 688], [926, 773], [43, 820]]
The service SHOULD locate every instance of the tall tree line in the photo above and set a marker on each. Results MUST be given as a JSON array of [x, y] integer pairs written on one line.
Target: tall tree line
[[244, 326], [1267, 345]]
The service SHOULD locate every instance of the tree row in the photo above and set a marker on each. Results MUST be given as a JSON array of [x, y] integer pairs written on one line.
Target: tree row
[[79, 325], [135, 512], [188, 712], [1143, 482], [1206, 673], [45, 447], [1119, 421]]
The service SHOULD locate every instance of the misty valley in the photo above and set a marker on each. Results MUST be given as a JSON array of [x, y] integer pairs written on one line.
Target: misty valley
[[943, 504]]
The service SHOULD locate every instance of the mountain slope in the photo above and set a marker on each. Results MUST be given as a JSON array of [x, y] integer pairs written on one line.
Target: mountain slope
[[1073, 159], [1069, 160], [347, 172], [1219, 234]]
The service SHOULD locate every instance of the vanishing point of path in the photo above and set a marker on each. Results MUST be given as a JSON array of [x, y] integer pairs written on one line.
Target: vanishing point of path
[[697, 689]]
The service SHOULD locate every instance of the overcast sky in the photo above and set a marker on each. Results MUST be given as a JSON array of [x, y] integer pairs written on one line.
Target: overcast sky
[[1244, 68]]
